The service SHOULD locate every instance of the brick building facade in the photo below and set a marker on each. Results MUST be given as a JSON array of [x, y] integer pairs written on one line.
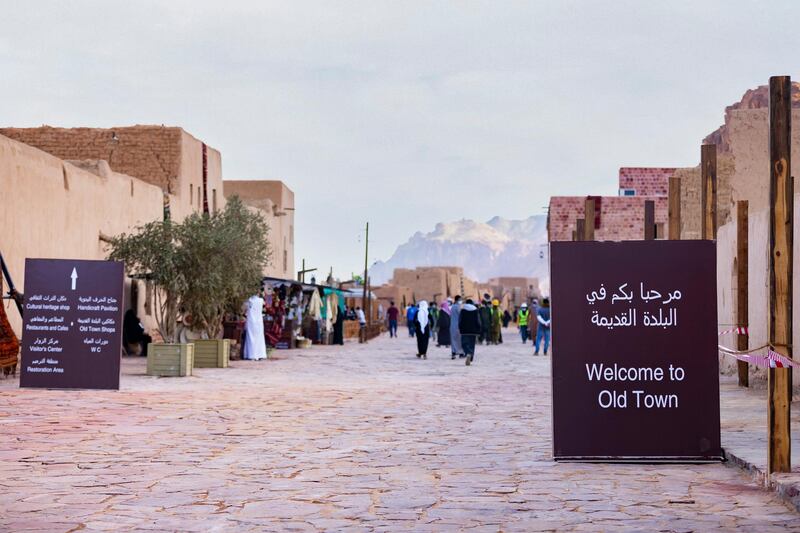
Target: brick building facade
[[644, 181]]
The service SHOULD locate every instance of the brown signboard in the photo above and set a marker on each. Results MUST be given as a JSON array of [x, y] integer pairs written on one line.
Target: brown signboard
[[72, 326], [635, 373]]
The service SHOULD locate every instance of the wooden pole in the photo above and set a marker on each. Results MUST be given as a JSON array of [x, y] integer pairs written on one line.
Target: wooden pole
[[588, 216], [364, 281], [649, 220], [674, 208], [741, 287], [781, 194], [580, 229], [708, 164], [368, 303]]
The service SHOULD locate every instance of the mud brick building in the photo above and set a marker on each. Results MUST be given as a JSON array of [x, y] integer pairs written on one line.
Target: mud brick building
[[617, 218], [437, 283], [67, 190], [276, 200]]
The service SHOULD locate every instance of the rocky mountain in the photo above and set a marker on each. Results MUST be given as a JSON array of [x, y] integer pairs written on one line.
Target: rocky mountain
[[499, 247]]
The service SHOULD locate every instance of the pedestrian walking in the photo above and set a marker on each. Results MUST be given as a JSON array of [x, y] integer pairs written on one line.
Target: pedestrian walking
[[523, 316], [533, 323], [391, 315], [543, 328], [496, 321], [469, 323], [411, 313], [455, 333], [422, 321], [338, 326], [486, 320], [506, 318], [434, 319], [443, 324], [362, 324]]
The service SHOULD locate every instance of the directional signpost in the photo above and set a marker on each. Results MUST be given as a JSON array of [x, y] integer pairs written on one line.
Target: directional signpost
[[72, 330]]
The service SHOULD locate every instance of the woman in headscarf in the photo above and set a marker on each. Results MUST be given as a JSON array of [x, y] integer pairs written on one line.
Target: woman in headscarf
[[133, 333], [423, 329], [338, 325], [444, 324]]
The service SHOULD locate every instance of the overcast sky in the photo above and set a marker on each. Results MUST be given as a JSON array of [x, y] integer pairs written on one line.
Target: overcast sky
[[405, 113]]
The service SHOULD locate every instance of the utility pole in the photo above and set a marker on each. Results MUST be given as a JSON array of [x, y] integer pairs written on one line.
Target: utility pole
[[366, 267], [301, 274]]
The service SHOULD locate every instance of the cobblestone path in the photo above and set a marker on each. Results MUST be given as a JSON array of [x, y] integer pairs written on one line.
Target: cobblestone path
[[360, 438]]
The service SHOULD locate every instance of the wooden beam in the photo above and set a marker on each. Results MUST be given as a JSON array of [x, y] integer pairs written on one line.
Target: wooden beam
[[781, 195], [649, 220], [708, 164], [674, 208], [580, 229], [588, 216], [742, 302]]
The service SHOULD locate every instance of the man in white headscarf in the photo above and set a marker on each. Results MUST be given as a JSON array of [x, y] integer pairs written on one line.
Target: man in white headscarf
[[423, 328]]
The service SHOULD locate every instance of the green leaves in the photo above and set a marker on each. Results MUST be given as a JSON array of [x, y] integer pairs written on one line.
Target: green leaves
[[206, 265]]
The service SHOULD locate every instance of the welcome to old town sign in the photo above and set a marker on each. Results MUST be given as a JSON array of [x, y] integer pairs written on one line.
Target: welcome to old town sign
[[635, 372]]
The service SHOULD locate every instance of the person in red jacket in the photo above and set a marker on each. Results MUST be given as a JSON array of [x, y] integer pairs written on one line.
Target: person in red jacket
[[391, 316]]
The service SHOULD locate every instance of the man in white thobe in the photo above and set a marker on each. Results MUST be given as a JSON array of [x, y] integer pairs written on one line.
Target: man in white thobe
[[255, 347]]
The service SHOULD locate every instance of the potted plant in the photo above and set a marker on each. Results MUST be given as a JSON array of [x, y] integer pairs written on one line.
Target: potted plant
[[153, 253], [204, 266], [230, 250]]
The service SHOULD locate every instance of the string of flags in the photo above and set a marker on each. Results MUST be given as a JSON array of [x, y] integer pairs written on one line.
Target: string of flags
[[739, 330], [771, 360]]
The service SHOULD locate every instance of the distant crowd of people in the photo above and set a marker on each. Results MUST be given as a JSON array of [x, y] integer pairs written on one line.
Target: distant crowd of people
[[462, 325]]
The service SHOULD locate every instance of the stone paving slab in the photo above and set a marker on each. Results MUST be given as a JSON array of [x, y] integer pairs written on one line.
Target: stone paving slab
[[743, 415], [361, 438]]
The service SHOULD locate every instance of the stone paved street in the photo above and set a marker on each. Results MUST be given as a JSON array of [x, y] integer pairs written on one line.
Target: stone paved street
[[365, 438]]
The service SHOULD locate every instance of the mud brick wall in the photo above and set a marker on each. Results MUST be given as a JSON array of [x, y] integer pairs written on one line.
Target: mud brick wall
[[691, 191], [429, 282], [150, 153]]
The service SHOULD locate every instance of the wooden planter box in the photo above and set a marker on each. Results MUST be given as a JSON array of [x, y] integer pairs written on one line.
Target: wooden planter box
[[170, 359], [213, 353]]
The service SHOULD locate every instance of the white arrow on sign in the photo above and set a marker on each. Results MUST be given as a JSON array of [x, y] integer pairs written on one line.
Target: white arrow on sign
[[74, 277]]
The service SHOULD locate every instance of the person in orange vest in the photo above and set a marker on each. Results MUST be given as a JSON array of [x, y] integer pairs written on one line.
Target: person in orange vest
[[522, 321]]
